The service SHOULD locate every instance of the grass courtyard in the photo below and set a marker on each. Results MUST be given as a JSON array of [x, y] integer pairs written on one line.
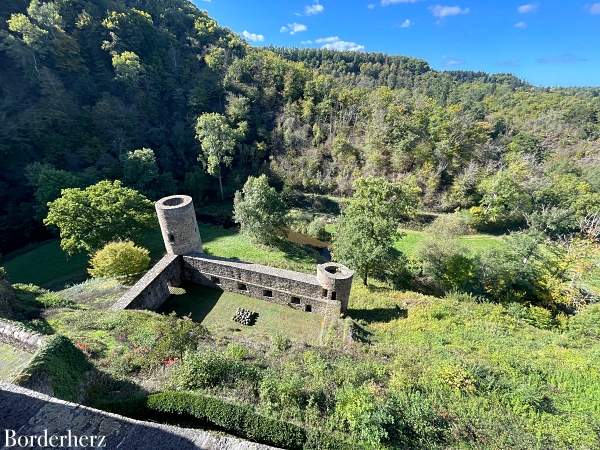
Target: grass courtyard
[[214, 309]]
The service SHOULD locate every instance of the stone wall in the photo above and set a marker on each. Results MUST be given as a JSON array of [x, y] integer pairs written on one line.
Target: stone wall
[[33, 413], [152, 290], [327, 292], [16, 335], [285, 287]]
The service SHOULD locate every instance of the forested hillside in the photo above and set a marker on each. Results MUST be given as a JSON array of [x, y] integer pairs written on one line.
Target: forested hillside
[[85, 83]]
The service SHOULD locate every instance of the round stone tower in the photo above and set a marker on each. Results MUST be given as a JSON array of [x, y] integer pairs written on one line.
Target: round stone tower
[[177, 219], [336, 281]]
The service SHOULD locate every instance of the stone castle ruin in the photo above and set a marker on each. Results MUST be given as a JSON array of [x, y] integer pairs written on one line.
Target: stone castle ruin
[[326, 292]]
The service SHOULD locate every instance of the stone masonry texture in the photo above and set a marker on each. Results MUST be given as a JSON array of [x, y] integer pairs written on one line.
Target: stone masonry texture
[[14, 334], [30, 413], [326, 293]]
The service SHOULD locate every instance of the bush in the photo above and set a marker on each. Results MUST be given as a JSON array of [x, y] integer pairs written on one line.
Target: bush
[[34, 297], [359, 411], [450, 225], [586, 323], [210, 368], [120, 260], [242, 420], [316, 229], [446, 265]]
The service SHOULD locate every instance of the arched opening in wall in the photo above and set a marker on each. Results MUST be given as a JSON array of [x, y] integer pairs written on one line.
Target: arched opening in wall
[[323, 292], [242, 287], [171, 237], [333, 296], [216, 280], [295, 300], [268, 293], [307, 308]]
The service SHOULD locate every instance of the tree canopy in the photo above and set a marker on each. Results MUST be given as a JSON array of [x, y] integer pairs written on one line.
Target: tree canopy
[[89, 218]]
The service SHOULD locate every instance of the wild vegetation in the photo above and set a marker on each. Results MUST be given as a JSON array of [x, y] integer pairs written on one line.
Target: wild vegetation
[[461, 339]]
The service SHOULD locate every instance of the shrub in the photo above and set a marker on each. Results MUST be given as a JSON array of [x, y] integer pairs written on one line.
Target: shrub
[[586, 322], [280, 343], [36, 297], [446, 265], [282, 393], [450, 225], [119, 259], [174, 337], [54, 300], [210, 368], [533, 315], [362, 414], [316, 229], [242, 420]]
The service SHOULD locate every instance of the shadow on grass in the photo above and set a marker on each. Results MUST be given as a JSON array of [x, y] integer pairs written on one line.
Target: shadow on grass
[[298, 253], [381, 315], [197, 302]]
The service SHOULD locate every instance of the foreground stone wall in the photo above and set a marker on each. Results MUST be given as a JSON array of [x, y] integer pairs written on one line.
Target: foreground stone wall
[[152, 290], [298, 290], [32, 413], [14, 334]]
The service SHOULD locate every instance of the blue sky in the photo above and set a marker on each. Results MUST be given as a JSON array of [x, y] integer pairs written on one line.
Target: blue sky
[[546, 42]]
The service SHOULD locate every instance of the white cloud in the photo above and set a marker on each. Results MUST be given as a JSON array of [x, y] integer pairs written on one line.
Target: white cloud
[[207, 1], [293, 28], [326, 40], [306, 42], [453, 62], [441, 11], [371, 6], [335, 43], [528, 8], [315, 8], [396, 2], [595, 8], [253, 36], [406, 23], [520, 25]]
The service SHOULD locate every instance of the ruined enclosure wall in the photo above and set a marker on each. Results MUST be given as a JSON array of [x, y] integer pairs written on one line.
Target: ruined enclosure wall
[[152, 290], [326, 293], [298, 290], [14, 334]]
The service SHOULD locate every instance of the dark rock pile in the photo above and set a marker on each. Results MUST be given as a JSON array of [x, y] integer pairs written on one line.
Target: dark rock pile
[[245, 317]]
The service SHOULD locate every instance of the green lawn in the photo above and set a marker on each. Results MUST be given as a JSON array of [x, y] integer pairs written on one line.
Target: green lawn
[[476, 242], [12, 360], [215, 308], [48, 266]]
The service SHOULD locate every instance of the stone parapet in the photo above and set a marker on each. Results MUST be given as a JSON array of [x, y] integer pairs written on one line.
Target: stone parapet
[[14, 334], [152, 290]]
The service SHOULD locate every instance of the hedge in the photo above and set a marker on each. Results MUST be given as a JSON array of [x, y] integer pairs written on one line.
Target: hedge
[[59, 362], [242, 420]]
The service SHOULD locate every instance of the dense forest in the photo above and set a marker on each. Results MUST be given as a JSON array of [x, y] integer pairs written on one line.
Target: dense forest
[[112, 89]]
